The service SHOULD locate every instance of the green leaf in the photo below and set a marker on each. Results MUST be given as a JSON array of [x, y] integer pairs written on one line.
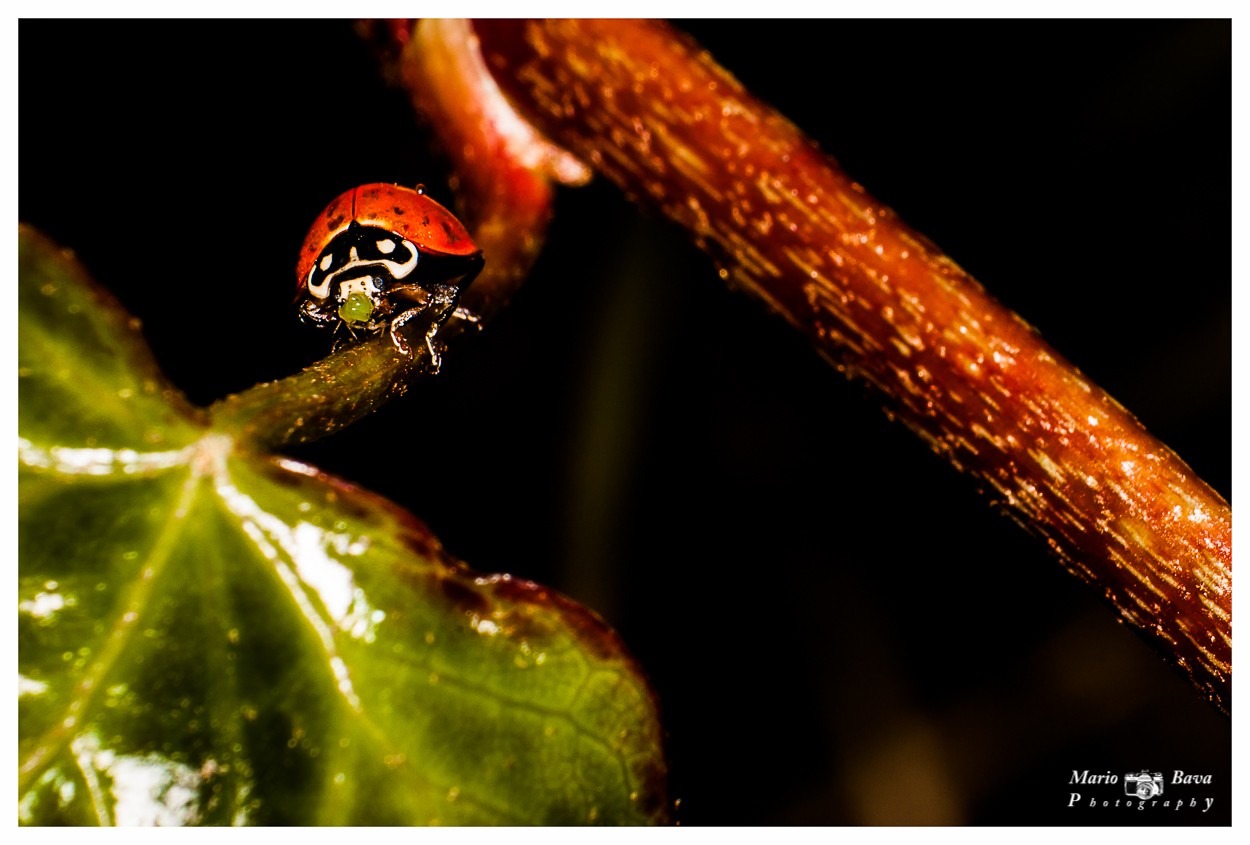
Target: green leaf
[[212, 636]]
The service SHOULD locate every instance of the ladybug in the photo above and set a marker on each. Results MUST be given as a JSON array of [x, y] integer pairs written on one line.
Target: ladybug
[[382, 255]]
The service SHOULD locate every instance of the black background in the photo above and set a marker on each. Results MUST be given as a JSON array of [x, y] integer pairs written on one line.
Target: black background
[[839, 629]]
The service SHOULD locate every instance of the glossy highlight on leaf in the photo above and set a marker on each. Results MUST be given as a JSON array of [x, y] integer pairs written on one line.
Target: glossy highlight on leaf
[[214, 636]]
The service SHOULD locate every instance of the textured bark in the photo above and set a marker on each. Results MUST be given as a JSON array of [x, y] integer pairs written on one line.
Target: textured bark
[[651, 111]]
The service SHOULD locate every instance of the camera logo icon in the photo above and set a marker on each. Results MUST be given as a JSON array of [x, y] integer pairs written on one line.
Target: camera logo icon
[[1143, 784]]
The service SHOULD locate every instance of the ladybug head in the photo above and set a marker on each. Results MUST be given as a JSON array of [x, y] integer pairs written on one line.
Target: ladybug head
[[360, 252]]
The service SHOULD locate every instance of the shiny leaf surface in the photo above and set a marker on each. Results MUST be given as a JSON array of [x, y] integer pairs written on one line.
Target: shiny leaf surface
[[209, 636]]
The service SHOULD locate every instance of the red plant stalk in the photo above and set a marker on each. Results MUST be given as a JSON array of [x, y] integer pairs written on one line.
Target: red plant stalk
[[504, 168], [648, 109]]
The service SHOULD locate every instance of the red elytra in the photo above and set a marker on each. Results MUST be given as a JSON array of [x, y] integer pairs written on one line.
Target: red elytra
[[407, 212]]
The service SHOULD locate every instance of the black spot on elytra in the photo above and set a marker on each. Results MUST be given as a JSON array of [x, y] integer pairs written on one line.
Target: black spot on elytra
[[399, 211], [335, 221]]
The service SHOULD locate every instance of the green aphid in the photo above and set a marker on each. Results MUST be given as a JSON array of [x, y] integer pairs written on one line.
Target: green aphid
[[357, 309]]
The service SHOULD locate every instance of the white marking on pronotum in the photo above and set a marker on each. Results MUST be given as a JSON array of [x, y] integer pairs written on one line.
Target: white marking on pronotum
[[322, 290], [386, 246], [360, 284], [397, 270], [83, 461]]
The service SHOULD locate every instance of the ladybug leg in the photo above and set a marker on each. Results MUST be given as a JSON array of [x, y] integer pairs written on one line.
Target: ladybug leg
[[425, 299], [314, 313], [421, 297], [398, 339], [440, 304], [446, 293], [436, 360], [341, 340]]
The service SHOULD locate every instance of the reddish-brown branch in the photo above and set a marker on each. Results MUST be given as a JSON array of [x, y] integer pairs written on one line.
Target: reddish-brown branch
[[504, 170], [656, 115]]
